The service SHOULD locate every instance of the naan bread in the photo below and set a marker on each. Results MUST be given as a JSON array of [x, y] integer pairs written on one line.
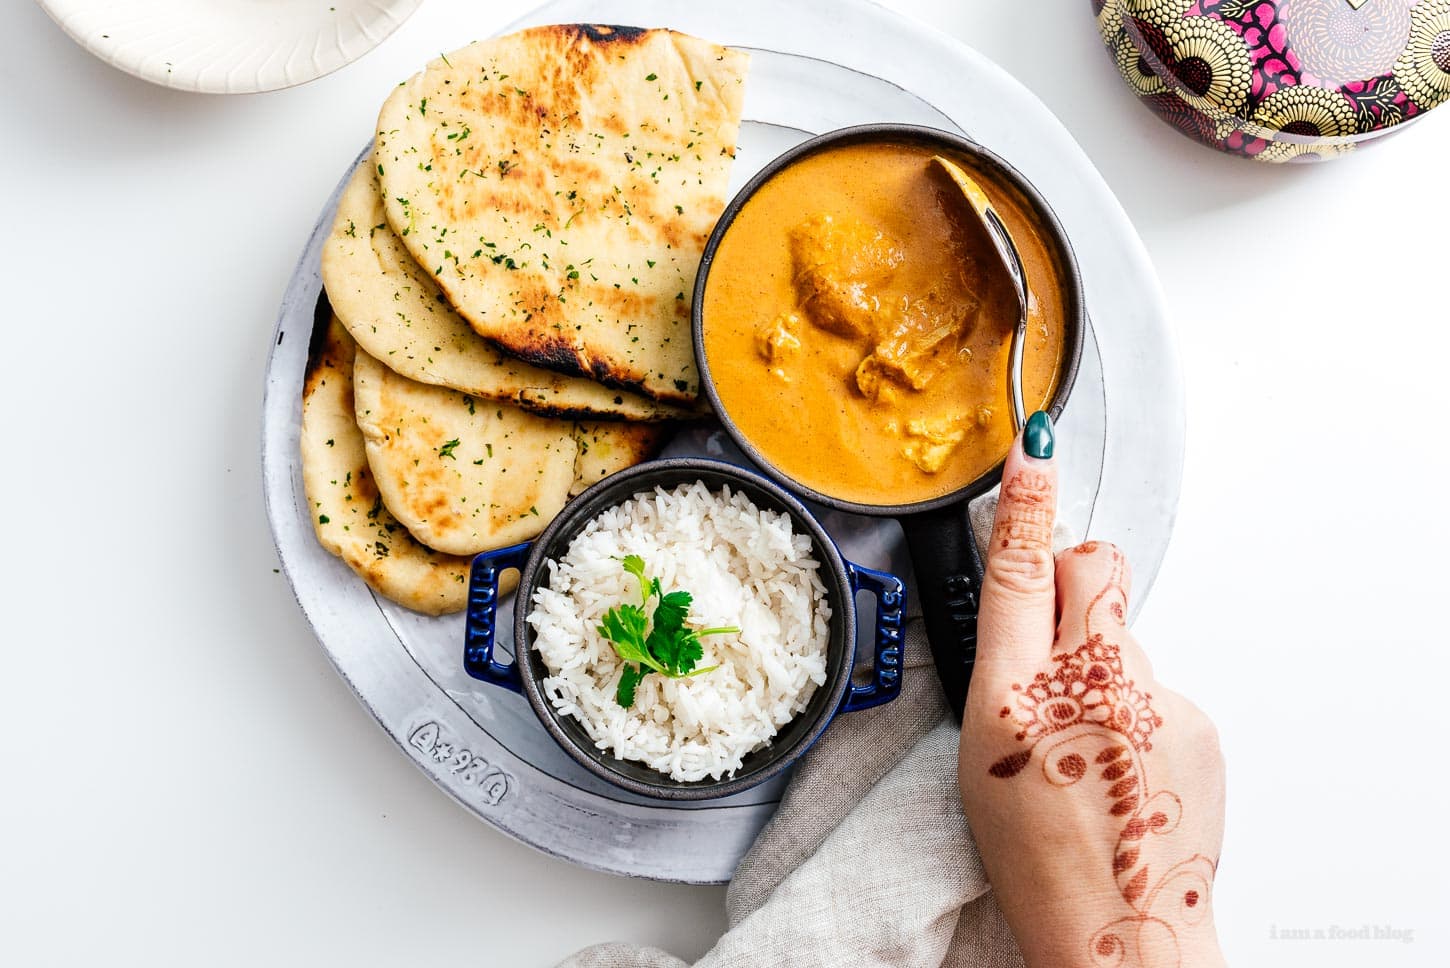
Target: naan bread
[[560, 183], [347, 513], [605, 448], [396, 313], [462, 475]]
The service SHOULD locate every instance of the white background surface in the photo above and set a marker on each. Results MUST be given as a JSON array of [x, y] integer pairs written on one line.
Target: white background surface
[[187, 780]]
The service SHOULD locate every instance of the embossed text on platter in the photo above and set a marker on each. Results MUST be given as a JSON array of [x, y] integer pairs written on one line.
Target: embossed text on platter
[[433, 742]]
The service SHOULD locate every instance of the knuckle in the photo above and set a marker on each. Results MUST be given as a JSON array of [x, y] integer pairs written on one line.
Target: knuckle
[[1138, 667], [1022, 569], [1020, 552], [1023, 523], [1018, 535], [1200, 732], [1206, 736], [1028, 488], [1144, 666], [983, 708]]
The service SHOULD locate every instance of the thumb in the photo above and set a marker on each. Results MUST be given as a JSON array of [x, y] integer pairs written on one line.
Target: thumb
[[1019, 602]]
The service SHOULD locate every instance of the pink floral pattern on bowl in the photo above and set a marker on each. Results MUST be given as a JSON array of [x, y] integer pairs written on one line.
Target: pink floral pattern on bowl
[[1282, 80]]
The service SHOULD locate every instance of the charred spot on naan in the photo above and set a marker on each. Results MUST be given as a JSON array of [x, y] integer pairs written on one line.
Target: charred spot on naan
[[606, 374], [575, 61], [324, 348], [541, 403], [551, 352], [542, 407], [615, 34], [545, 341]]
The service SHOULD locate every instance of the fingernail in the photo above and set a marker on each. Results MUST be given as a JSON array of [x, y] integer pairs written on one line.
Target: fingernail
[[1038, 437]]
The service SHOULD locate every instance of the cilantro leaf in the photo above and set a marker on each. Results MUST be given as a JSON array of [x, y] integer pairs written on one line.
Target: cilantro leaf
[[624, 626], [634, 564], [688, 651], [665, 648], [628, 680], [665, 645], [671, 611], [665, 638]]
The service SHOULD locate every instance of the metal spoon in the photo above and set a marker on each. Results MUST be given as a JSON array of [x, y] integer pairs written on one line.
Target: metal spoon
[[1011, 261]]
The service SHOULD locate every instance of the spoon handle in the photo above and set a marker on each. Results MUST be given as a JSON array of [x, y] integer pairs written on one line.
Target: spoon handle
[[1013, 261], [1014, 380]]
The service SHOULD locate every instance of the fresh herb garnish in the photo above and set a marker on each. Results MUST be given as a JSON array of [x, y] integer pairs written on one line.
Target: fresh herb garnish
[[447, 449], [666, 645]]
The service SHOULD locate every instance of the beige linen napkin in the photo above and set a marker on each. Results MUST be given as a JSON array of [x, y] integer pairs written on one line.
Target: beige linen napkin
[[868, 861]]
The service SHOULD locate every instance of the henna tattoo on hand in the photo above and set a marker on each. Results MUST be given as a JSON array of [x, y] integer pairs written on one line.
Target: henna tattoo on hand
[[1088, 719]]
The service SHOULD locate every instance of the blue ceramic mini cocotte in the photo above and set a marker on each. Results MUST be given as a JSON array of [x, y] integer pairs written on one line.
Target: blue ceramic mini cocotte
[[842, 578]]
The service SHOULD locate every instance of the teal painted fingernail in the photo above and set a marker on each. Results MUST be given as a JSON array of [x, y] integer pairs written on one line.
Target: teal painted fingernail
[[1038, 436]]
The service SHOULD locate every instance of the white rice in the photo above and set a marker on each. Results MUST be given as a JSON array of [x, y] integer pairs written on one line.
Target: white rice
[[745, 567]]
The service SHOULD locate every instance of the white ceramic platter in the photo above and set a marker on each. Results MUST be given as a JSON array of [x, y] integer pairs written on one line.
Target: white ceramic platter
[[229, 46], [816, 65]]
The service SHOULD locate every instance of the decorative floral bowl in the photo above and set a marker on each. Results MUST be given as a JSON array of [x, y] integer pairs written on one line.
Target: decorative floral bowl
[[1282, 80]]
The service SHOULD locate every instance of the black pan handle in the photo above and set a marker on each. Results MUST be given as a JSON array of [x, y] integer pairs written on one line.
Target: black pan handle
[[949, 580]]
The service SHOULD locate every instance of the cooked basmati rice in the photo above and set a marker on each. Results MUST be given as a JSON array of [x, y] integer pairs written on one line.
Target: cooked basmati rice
[[746, 567]]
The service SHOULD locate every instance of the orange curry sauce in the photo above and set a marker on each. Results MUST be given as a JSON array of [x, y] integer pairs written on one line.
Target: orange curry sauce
[[857, 330]]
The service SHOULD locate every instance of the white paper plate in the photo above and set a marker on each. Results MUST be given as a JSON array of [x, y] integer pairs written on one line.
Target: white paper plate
[[815, 65], [229, 46]]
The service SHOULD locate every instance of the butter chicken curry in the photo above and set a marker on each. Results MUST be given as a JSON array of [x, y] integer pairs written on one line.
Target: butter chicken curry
[[857, 330]]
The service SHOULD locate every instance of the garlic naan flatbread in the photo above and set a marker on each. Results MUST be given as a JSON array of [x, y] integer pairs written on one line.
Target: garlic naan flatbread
[[560, 183], [462, 475], [466, 475], [605, 448], [347, 513], [396, 313]]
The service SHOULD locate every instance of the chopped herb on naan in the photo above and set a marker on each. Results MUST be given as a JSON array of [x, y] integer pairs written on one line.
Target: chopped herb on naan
[[560, 183], [343, 501], [397, 314]]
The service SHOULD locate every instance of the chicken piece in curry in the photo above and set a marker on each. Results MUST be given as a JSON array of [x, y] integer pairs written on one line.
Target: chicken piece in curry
[[857, 332]]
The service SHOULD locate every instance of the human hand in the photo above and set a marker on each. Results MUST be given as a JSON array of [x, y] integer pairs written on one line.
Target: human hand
[[1095, 795]]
